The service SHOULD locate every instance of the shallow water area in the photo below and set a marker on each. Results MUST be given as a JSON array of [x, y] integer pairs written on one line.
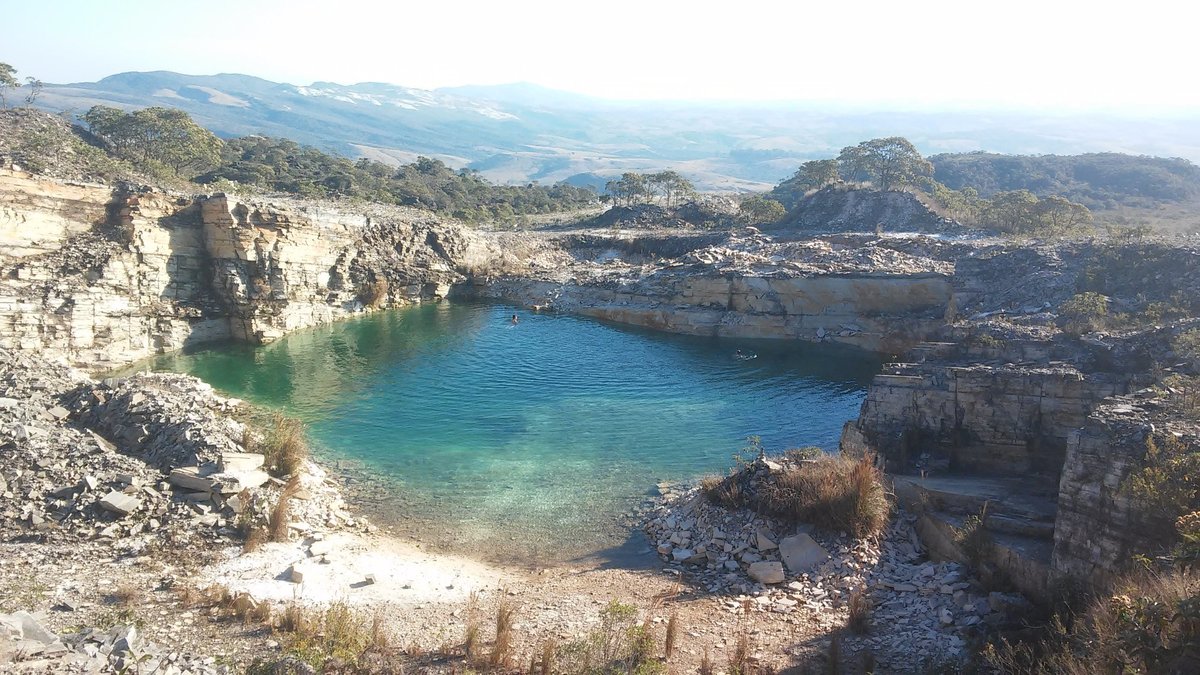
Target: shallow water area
[[529, 441]]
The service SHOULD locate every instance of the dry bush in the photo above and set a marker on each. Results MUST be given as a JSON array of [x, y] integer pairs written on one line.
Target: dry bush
[[281, 513], [739, 657], [374, 294], [281, 442], [834, 491], [502, 647], [472, 640], [1150, 624], [722, 491], [255, 538], [858, 618], [706, 664]]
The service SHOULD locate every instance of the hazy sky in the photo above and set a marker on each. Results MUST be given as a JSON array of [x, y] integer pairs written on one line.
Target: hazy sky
[[1045, 53]]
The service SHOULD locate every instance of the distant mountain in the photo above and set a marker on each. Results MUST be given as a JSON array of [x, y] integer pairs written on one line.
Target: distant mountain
[[524, 132]]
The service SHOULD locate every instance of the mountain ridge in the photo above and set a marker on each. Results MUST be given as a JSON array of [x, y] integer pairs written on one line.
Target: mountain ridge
[[519, 132]]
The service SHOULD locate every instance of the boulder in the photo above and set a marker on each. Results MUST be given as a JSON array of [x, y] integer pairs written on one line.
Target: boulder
[[120, 503], [767, 572], [241, 462], [801, 553], [189, 478]]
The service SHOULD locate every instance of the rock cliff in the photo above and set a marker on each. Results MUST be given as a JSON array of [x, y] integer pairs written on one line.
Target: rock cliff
[[105, 277]]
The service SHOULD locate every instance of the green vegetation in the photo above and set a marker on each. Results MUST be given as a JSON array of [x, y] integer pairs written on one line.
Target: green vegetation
[[756, 209], [158, 141], [8, 81], [1083, 313], [830, 491], [889, 163], [636, 188], [1098, 180], [284, 166], [894, 164], [618, 645]]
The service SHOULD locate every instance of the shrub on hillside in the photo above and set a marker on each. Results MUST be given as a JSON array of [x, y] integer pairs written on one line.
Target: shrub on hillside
[[1083, 313], [830, 491]]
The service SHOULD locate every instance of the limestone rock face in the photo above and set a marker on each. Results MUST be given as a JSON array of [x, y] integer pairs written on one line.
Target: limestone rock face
[[104, 277]]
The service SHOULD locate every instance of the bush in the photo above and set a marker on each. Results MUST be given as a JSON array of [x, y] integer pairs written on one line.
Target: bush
[[374, 294], [281, 442], [1151, 625], [1083, 313], [830, 491]]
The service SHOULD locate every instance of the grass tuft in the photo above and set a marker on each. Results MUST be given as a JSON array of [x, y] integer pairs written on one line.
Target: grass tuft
[[858, 618]]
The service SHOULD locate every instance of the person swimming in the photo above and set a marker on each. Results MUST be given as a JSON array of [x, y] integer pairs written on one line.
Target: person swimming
[[744, 356], [513, 320]]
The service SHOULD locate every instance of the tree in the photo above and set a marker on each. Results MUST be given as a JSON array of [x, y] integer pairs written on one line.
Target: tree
[[891, 163], [1058, 214], [1010, 212], [8, 80], [674, 187], [818, 173], [35, 89], [757, 208], [631, 188], [157, 136]]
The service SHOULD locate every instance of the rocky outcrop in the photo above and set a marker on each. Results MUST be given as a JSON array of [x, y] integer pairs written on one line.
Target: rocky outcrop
[[1101, 526], [1004, 419], [842, 208], [106, 277]]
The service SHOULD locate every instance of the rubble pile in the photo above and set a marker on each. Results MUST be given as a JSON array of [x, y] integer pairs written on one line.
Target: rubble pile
[[924, 611], [120, 649]]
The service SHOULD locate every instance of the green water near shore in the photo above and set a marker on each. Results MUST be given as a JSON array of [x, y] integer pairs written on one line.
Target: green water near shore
[[530, 440]]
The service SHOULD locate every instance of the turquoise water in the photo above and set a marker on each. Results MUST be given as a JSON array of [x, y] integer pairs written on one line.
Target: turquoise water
[[530, 440]]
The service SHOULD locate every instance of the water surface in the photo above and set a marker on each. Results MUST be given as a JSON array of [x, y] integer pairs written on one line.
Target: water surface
[[530, 440]]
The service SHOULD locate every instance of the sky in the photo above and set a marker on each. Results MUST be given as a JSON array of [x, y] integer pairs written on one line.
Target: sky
[[1048, 54]]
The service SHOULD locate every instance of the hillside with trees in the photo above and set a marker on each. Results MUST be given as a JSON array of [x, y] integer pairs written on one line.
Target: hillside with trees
[[1098, 180], [166, 146], [893, 164]]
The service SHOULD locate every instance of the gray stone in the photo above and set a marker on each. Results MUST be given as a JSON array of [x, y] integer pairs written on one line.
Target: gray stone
[[681, 554], [767, 572], [120, 503], [59, 413], [764, 542], [801, 553]]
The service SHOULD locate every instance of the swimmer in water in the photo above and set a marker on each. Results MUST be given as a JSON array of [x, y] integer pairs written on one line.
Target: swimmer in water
[[513, 320], [744, 356]]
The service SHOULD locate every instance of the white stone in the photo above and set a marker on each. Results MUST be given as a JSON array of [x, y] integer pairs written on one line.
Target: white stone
[[767, 572]]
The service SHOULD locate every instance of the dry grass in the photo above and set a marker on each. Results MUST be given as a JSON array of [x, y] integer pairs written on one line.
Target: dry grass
[[672, 635], [281, 513], [547, 663], [472, 640], [834, 491], [128, 595], [502, 647], [282, 443], [858, 618], [255, 538], [722, 491], [834, 658], [706, 664], [1150, 624]]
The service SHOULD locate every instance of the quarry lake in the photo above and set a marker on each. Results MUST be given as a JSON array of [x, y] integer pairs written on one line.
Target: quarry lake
[[530, 441]]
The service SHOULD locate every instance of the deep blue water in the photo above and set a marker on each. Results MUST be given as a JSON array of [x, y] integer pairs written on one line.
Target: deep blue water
[[532, 437]]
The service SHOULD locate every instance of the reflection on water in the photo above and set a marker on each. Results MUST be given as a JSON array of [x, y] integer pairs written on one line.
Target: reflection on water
[[531, 438]]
